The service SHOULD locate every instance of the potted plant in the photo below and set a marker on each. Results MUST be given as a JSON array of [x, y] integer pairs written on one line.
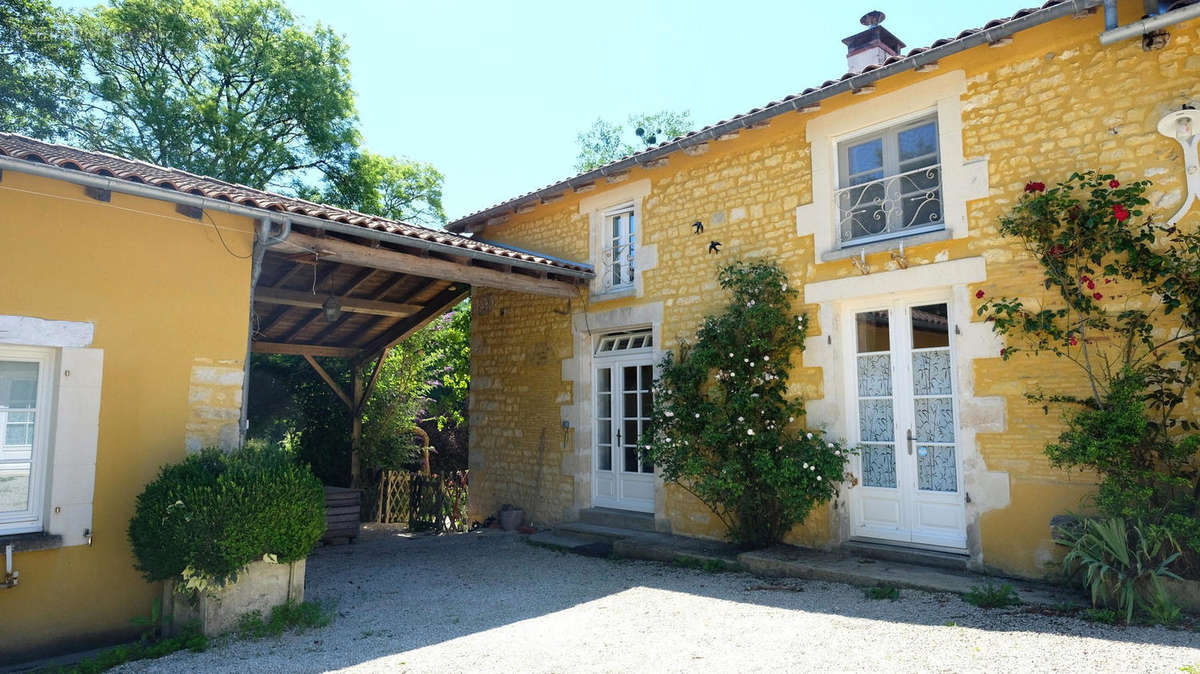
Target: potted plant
[[228, 533]]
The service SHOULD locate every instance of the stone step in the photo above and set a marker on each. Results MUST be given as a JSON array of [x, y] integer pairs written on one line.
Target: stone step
[[579, 545], [787, 561], [617, 519], [896, 553], [599, 532]]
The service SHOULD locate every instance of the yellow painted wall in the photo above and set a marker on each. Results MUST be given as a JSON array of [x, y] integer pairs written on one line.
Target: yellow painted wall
[[1052, 102], [170, 308]]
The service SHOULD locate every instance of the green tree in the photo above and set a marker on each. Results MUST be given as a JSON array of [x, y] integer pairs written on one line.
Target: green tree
[[723, 427], [234, 89], [606, 141], [36, 61], [391, 187]]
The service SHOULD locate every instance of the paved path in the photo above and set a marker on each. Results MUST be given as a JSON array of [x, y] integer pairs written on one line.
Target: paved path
[[493, 603]]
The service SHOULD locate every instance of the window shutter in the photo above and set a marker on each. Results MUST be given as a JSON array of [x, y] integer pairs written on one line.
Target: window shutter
[[75, 435]]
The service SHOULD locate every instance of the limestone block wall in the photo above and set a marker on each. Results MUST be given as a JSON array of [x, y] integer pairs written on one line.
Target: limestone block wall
[[1051, 102]]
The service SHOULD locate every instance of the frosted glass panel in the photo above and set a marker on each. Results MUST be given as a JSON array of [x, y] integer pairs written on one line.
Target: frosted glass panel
[[875, 375], [875, 421], [879, 466], [935, 420], [931, 373], [936, 469]]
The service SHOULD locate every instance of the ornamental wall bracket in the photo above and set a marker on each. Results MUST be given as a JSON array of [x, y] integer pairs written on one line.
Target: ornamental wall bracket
[[1182, 126]]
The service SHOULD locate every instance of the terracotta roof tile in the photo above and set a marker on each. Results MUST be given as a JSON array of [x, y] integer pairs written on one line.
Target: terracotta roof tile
[[112, 166]]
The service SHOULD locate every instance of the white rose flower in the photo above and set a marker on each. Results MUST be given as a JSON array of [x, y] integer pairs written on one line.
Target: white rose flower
[[766, 358], [810, 436], [818, 478], [697, 415], [669, 413], [740, 419], [791, 419], [806, 464], [749, 431]]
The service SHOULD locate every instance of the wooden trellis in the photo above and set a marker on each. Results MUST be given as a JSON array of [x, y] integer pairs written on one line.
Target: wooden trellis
[[423, 502]]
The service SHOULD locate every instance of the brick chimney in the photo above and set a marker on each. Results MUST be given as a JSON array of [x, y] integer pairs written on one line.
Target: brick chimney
[[873, 45]]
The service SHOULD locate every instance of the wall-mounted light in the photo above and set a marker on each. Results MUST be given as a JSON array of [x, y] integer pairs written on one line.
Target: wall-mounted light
[[1182, 126], [332, 309]]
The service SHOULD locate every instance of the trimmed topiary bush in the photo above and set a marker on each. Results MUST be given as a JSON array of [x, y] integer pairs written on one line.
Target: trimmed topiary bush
[[204, 519]]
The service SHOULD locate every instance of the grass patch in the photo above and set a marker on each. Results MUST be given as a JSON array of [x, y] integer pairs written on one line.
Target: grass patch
[[705, 565], [188, 639], [882, 591], [992, 596], [287, 617]]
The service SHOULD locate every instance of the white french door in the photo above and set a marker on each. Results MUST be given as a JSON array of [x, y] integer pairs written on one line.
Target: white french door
[[622, 476], [903, 417]]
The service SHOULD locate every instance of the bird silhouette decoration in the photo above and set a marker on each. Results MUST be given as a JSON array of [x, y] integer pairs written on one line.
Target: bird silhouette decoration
[[698, 227], [714, 246]]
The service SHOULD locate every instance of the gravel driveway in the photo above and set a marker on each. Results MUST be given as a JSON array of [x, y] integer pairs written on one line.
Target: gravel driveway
[[490, 602]]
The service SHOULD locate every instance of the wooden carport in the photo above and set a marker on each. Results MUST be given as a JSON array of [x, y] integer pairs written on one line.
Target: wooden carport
[[333, 294]]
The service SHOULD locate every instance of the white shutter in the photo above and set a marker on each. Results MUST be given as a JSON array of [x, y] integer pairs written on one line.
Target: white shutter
[[74, 439]]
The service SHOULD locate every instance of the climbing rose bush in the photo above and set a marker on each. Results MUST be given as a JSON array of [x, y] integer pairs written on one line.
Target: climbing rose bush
[[723, 426], [1123, 305]]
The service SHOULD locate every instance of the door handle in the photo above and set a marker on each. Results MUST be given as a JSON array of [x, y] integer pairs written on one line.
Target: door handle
[[910, 440]]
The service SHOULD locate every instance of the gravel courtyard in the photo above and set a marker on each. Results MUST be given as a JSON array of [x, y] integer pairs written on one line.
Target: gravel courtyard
[[491, 602]]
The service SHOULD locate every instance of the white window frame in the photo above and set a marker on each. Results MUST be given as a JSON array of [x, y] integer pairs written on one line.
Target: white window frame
[[896, 184], [962, 179], [32, 519], [618, 257]]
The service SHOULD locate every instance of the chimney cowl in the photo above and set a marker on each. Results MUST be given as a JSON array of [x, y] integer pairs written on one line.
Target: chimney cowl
[[872, 46]]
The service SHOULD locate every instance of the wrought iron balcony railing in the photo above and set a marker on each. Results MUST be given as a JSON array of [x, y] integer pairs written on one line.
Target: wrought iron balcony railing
[[898, 205], [617, 266]]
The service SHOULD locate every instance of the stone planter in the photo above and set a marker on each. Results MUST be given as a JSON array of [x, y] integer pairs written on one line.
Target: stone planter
[[261, 587], [1186, 594]]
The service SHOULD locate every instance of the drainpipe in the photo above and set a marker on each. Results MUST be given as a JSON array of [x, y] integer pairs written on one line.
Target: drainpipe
[[1110, 15], [1147, 25], [263, 239]]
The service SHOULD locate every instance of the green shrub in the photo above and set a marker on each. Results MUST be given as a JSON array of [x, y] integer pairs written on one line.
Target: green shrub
[[215, 512], [1122, 565], [992, 596], [723, 426]]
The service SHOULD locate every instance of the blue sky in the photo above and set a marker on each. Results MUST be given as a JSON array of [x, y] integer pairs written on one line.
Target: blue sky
[[493, 93]]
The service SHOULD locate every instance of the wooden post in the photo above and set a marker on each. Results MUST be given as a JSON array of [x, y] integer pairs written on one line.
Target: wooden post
[[356, 429]]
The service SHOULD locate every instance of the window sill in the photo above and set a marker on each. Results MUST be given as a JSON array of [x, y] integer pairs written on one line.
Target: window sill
[[38, 540], [881, 246], [614, 294]]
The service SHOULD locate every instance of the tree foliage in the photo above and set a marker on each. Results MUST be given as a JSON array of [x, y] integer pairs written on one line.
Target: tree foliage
[[723, 427], [391, 187], [1124, 307], [607, 141], [234, 89], [36, 58]]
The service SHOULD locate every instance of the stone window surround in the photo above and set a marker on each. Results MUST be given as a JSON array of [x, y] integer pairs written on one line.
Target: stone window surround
[[988, 490], [579, 371], [71, 462], [962, 180], [646, 255]]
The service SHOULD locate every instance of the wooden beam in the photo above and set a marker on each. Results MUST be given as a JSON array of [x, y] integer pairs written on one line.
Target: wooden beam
[[380, 292], [340, 250], [329, 380], [299, 298], [313, 316], [269, 324], [436, 307], [371, 382], [304, 349]]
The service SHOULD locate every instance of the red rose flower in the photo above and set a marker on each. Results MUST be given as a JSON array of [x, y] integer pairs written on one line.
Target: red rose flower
[[1085, 279], [1074, 340], [1120, 213], [1091, 285], [1097, 296], [1035, 187], [1114, 184], [1107, 281], [1002, 352], [1056, 250], [979, 294]]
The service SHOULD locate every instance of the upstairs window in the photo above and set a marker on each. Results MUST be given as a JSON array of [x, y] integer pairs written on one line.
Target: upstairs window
[[618, 256], [890, 184]]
